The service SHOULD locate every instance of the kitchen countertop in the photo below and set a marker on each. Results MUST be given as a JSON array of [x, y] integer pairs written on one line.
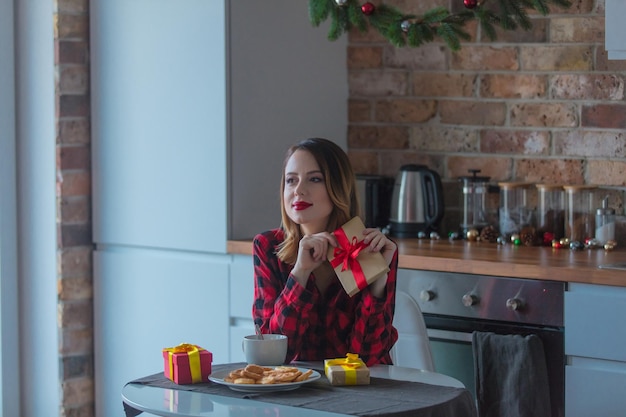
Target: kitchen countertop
[[502, 260]]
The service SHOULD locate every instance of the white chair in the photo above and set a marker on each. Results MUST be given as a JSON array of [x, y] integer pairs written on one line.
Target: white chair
[[412, 350]]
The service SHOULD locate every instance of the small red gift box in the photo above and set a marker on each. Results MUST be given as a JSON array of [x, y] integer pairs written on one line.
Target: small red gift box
[[187, 364], [355, 266]]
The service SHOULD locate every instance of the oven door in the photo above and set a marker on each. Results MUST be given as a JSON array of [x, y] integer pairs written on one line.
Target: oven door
[[451, 344]]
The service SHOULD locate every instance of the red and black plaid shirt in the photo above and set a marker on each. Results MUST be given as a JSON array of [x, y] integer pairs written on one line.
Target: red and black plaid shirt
[[320, 328]]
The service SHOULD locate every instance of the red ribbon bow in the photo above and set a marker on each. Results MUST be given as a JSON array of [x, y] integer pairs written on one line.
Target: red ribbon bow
[[345, 254]]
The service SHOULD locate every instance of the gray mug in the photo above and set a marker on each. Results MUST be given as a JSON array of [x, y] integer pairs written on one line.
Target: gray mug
[[270, 351]]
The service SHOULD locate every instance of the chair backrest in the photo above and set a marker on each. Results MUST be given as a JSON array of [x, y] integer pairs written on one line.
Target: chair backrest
[[412, 349]]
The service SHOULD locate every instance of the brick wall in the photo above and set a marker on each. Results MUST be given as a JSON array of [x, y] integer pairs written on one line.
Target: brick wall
[[74, 242], [544, 106]]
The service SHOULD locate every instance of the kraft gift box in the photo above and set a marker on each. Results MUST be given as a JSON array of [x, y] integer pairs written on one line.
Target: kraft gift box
[[187, 364], [355, 266], [350, 370]]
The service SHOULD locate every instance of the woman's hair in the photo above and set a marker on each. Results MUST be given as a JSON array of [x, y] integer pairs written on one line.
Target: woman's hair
[[340, 184]]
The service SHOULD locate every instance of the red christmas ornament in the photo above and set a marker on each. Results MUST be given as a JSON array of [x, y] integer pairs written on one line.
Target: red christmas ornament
[[368, 8], [470, 4], [548, 237]]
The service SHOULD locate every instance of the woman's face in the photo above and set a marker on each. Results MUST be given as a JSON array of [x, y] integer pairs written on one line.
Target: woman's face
[[305, 197]]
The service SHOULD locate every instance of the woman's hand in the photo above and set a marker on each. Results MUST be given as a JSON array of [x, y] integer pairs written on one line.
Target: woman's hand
[[312, 252], [378, 242]]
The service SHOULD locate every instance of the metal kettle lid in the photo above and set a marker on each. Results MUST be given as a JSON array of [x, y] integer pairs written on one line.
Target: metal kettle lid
[[413, 167]]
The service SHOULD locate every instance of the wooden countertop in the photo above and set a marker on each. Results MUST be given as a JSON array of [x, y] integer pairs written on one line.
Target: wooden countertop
[[501, 260]]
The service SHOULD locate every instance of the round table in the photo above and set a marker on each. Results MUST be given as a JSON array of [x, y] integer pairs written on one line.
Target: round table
[[162, 397]]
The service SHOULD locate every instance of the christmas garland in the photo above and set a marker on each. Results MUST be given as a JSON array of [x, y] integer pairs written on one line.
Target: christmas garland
[[405, 29]]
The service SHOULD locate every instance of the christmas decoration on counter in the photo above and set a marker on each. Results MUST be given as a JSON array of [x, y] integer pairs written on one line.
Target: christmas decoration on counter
[[407, 29], [528, 236], [472, 235], [610, 245], [489, 234], [575, 245], [556, 244]]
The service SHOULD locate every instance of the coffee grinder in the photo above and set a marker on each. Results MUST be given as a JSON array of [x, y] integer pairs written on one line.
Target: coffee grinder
[[474, 202]]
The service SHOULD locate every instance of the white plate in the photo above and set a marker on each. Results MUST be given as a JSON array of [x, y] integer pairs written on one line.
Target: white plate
[[218, 378]]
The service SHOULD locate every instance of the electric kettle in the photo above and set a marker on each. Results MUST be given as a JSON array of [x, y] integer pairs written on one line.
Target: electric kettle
[[416, 202]]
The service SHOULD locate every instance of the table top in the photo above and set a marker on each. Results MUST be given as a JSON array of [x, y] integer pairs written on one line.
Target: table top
[[164, 398]]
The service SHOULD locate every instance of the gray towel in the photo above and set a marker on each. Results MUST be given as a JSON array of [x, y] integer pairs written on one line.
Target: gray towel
[[511, 376]]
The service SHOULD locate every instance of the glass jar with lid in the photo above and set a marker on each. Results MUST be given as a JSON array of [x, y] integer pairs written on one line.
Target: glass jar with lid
[[579, 212], [515, 210], [605, 223], [550, 219], [474, 201]]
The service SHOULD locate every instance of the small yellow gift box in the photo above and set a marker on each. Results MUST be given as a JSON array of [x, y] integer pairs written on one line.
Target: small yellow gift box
[[350, 370], [355, 266]]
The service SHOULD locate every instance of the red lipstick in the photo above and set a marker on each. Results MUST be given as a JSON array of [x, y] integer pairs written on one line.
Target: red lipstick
[[301, 205]]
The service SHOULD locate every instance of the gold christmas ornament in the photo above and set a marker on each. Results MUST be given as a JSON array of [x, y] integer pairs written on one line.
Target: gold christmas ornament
[[610, 245], [472, 235]]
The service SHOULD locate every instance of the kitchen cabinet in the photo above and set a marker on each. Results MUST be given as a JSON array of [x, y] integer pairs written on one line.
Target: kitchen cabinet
[[615, 31], [145, 300], [594, 344], [159, 186], [159, 125], [241, 298], [193, 107]]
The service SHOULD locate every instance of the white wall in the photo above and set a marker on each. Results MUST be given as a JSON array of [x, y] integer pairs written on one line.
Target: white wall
[[9, 336], [615, 32], [36, 189], [287, 83]]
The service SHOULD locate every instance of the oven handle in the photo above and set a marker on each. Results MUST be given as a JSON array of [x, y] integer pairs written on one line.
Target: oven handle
[[449, 335]]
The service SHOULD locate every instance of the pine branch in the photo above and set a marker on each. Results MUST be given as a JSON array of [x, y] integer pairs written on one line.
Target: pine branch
[[336, 25], [357, 19], [540, 5], [319, 10], [487, 21], [402, 29]]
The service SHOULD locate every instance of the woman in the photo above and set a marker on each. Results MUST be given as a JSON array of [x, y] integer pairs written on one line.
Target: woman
[[296, 291]]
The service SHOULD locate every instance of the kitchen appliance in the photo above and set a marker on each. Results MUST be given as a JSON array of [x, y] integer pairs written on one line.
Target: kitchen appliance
[[417, 201], [474, 201], [375, 199], [454, 305]]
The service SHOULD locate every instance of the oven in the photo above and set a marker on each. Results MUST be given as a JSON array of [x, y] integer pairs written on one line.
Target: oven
[[454, 305]]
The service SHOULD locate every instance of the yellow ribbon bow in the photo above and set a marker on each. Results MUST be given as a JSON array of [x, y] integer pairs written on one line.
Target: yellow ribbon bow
[[349, 364], [193, 352]]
